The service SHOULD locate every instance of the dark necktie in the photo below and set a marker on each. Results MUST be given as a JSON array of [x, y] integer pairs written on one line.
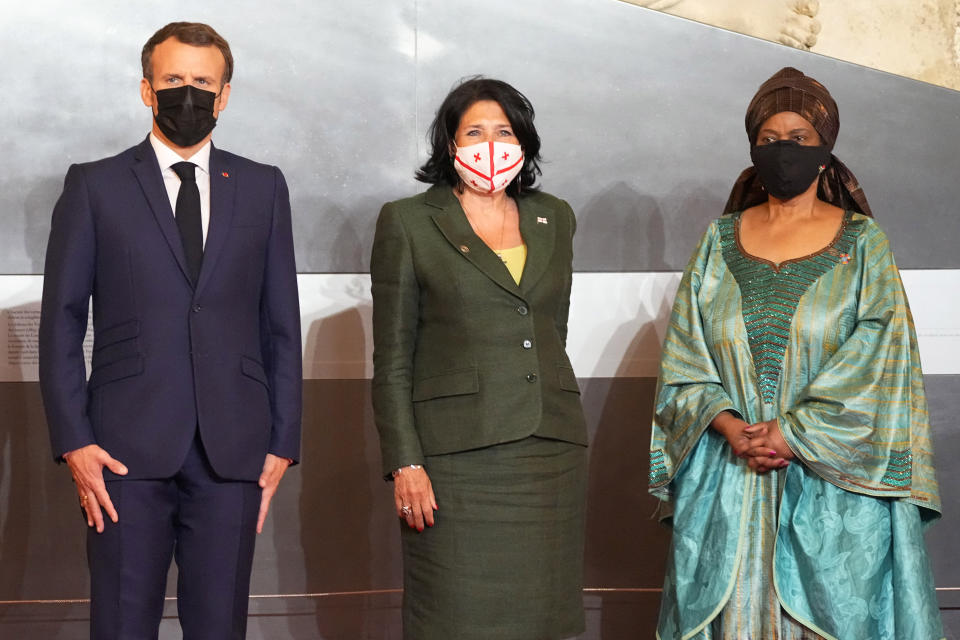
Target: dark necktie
[[188, 217]]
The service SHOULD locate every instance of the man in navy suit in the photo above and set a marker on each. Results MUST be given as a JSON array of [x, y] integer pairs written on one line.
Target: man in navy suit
[[191, 414]]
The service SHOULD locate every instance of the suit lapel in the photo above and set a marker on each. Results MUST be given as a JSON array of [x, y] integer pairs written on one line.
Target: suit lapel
[[222, 190], [539, 229], [455, 227], [147, 171]]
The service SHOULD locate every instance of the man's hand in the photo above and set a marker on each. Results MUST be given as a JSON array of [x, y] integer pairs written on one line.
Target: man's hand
[[86, 464], [273, 469]]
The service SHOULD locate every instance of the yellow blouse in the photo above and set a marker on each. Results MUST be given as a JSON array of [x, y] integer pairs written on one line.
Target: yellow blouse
[[514, 259]]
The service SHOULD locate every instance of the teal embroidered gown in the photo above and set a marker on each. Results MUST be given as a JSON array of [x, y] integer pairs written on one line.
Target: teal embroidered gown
[[831, 546]]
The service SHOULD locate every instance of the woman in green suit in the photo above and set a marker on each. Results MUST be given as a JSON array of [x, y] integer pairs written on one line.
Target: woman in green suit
[[477, 406]]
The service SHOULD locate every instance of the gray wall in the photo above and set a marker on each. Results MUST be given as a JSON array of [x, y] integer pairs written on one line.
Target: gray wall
[[640, 113], [641, 118]]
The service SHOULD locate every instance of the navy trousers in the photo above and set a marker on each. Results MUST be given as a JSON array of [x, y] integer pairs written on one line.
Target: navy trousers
[[206, 523]]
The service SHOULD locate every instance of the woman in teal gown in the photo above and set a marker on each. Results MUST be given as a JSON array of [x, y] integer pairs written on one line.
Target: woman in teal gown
[[791, 440]]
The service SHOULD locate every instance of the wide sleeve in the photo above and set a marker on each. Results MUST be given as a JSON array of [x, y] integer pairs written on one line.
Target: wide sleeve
[[67, 287], [396, 302], [689, 391], [862, 422]]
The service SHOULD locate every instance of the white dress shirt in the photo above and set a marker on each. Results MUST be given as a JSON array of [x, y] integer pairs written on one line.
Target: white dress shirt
[[167, 157]]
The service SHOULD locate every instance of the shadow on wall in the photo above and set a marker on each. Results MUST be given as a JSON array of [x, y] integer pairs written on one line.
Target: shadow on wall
[[692, 207], [626, 546], [15, 504], [41, 530], [347, 528], [943, 394], [641, 232], [32, 198], [626, 227], [37, 210], [316, 218]]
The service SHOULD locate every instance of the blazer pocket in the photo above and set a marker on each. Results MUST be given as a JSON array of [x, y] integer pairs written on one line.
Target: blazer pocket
[[253, 369], [568, 380], [116, 343], [452, 383], [116, 333], [116, 370]]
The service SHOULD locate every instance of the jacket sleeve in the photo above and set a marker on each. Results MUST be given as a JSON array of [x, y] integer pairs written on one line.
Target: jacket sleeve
[[396, 300], [67, 287], [563, 308], [280, 329]]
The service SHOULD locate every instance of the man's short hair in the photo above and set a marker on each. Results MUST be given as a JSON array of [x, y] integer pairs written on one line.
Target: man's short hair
[[196, 34]]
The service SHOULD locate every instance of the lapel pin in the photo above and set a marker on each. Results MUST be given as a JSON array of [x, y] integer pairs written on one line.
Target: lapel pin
[[541, 220], [225, 174]]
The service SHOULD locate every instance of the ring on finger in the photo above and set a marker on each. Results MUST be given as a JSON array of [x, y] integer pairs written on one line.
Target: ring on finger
[[405, 510]]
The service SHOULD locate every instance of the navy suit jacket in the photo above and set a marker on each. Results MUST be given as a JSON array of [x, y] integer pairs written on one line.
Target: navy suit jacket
[[169, 358]]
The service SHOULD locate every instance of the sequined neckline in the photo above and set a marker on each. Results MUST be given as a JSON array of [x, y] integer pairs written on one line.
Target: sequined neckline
[[777, 266], [770, 293]]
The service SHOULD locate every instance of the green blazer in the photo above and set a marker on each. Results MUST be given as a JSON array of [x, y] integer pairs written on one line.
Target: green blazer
[[464, 357]]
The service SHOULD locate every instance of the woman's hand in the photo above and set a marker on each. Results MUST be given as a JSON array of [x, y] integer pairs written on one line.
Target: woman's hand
[[736, 431], [413, 496], [768, 449], [761, 444]]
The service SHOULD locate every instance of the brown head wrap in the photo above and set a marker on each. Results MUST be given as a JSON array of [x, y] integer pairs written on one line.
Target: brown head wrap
[[790, 90]]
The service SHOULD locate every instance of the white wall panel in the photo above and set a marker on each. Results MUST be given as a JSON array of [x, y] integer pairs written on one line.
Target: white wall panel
[[616, 326]]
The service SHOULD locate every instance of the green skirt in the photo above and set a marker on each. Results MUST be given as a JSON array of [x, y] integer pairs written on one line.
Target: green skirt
[[505, 557]]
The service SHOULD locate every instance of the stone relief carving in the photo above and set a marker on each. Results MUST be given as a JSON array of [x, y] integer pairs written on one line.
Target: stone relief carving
[[915, 38], [789, 22]]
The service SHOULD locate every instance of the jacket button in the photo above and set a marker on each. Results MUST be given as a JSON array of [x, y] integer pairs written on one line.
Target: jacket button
[[531, 377], [522, 310], [527, 344], [464, 249], [196, 308]]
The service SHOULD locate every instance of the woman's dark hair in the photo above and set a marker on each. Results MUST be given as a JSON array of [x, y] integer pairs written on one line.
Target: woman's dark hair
[[439, 167]]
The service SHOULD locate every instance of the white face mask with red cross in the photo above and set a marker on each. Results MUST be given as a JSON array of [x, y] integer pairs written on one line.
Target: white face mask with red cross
[[488, 167]]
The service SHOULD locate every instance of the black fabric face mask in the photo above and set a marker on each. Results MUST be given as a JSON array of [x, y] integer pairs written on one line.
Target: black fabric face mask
[[787, 168], [185, 114]]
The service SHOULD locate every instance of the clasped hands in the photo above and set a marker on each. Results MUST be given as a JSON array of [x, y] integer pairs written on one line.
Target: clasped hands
[[761, 444]]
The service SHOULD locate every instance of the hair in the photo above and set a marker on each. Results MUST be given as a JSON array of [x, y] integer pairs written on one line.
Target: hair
[[195, 34], [439, 167]]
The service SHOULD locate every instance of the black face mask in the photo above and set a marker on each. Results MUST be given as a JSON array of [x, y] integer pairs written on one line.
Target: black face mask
[[185, 114], [787, 168]]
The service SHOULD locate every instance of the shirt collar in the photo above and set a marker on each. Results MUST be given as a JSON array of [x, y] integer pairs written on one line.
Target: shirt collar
[[168, 157]]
